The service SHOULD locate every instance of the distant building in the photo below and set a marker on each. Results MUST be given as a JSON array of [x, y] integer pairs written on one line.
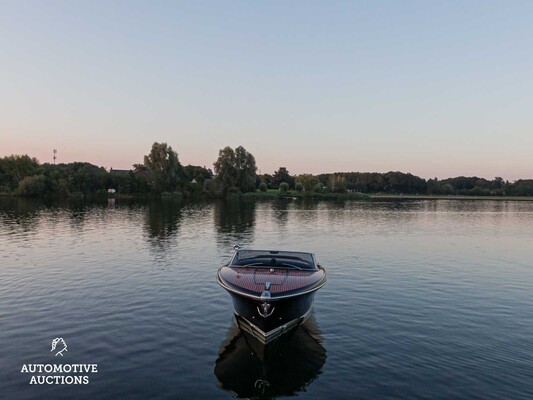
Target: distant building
[[119, 171], [138, 172], [141, 172]]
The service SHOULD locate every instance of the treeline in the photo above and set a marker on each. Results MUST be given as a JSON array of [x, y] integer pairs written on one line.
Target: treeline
[[25, 176], [234, 171], [399, 183], [405, 183], [160, 174]]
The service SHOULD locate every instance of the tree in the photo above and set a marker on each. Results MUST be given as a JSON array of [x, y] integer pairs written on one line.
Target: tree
[[433, 186], [226, 169], [15, 168], [282, 175], [447, 189], [236, 168], [245, 163], [32, 186], [267, 178], [497, 183], [522, 187], [308, 181], [199, 174], [283, 186], [164, 168], [337, 183]]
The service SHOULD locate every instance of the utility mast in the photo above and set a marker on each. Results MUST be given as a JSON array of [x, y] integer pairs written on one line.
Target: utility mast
[[55, 152]]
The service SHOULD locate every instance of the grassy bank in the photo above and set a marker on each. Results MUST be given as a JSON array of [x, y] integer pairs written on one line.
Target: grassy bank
[[276, 194], [448, 197]]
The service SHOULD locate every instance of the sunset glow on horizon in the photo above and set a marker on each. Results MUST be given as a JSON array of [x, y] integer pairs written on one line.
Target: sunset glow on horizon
[[437, 89]]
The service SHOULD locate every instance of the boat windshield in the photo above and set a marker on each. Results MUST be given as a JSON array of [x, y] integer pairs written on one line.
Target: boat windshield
[[273, 259]]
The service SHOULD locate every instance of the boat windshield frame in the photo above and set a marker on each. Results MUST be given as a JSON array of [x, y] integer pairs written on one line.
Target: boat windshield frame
[[274, 259]]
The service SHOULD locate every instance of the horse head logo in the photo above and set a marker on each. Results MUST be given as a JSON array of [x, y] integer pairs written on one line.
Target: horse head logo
[[61, 343], [265, 310]]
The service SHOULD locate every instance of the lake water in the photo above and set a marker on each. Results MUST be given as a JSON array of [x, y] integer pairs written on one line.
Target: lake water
[[424, 300]]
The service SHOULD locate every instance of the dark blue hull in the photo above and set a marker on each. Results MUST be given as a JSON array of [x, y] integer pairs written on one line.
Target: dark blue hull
[[283, 314]]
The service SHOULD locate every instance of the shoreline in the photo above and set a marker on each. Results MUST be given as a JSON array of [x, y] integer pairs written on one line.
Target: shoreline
[[291, 194], [448, 197]]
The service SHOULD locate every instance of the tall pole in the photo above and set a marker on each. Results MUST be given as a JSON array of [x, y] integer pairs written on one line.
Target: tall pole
[[55, 152]]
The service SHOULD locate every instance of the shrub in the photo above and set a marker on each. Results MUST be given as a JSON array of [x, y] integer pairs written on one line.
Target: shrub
[[263, 187], [447, 189], [214, 186], [32, 186], [298, 187], [283, 186], [233, 189], [5, 189], [318, 187], [61, 188]]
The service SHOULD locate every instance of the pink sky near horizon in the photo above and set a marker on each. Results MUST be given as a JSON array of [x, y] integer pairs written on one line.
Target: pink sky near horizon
[[98, 153]]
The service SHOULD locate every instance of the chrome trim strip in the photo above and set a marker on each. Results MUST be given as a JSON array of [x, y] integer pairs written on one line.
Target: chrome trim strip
[[251, 296], [267, 337]]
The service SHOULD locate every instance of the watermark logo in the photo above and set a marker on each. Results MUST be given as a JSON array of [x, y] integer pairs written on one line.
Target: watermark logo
[[62, 344], [59, 374]]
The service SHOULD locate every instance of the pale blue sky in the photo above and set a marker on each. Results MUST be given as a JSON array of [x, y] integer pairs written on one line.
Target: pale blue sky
[[436, 88]]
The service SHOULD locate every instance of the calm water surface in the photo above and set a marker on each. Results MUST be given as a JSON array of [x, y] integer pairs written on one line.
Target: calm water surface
[[425, 299]]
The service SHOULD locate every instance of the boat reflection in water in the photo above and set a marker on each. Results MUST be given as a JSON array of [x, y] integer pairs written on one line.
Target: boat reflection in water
[[252, 369]]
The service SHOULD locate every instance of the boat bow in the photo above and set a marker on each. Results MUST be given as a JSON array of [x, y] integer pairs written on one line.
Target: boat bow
[[270, 284]]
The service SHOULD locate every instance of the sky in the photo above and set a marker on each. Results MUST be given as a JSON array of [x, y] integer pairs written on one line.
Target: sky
[[435, 88]]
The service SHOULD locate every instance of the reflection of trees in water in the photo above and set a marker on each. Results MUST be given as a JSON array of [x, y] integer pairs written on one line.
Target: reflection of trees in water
[[162, 222], [234, 221], [283, 368], [308, 204], [77, 212], [20, 213], [304, 212], [280, 210]]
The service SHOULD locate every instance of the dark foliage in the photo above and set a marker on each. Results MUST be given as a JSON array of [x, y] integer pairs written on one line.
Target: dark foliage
[[280, 176], [236, 172]]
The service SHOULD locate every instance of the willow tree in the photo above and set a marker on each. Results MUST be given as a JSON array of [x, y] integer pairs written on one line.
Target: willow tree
[[235, 168], [245, 163], [164, 168], [308, 181], [225, 169]]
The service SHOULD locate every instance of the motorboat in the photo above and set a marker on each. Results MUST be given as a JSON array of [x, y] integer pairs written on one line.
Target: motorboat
[[272, 290]]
